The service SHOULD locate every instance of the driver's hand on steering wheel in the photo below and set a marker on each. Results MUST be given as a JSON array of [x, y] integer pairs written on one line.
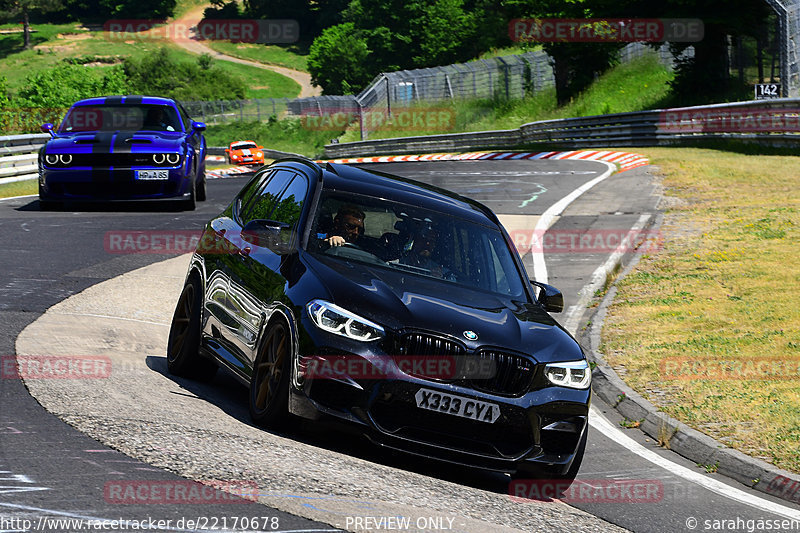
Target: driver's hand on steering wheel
[[335, 240]]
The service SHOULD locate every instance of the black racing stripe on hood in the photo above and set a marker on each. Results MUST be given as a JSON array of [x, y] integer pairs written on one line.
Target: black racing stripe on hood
[[113, 100], [120, 146], [102, 141]]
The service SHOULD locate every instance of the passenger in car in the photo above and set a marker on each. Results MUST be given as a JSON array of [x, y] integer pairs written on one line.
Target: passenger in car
[[348, 226], [421, 253]]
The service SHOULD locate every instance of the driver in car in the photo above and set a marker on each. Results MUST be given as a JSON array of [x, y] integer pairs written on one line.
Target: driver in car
[[348, 226]]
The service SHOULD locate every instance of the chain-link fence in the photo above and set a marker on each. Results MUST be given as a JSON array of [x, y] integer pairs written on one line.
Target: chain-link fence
[[511, 76], [788, 34]]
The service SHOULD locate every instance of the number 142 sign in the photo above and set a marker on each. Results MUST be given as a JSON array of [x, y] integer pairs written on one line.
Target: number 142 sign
[[767, 90]]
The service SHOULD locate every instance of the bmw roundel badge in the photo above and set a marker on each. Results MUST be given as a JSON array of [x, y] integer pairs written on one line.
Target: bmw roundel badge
[[470, 335]]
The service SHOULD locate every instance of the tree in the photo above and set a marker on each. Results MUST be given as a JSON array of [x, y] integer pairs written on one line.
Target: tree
[[337, 60], [575, 64], [138, 9], [24, 8], [705, 77]]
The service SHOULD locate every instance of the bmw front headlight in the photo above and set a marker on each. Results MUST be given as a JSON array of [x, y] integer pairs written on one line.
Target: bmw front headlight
[[572, 374], [334, 319]]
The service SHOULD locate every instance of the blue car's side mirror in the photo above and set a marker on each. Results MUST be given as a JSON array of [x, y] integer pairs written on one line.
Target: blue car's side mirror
[[47, 127], [199, 126]]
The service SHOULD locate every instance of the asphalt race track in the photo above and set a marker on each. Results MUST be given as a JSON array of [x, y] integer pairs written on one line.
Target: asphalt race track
[[48, 468]]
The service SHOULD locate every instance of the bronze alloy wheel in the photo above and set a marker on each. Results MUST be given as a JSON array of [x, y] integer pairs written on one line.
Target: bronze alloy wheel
[[269, 387], [183, 358]]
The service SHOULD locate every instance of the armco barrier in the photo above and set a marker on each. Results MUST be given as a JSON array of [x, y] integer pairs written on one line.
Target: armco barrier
[[18, 154], [771, 122]]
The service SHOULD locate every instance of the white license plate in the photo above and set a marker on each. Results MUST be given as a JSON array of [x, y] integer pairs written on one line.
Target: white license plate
[[457, 406], [152, 174]]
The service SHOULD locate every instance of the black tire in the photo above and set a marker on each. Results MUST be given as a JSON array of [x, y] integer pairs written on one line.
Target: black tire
[[269, 384], [47, 205], [183, 346], [568, 477], [201, 188], [191, 203]]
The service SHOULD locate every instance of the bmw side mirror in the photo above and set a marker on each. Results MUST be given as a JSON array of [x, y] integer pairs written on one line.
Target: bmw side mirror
[[198, 126], [47, 127], [551, 298], [269, 234]]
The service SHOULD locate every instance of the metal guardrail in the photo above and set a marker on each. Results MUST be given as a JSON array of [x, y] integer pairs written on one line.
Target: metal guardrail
[[18, 156], [268, 154], [771, 122]]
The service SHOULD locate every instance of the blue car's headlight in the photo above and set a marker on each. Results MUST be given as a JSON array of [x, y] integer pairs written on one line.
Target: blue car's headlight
[[168, 159], [60, 160], [572, 374], [333, 319]]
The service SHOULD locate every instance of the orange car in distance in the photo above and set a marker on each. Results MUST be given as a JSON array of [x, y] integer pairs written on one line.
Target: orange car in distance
[[245, 153]]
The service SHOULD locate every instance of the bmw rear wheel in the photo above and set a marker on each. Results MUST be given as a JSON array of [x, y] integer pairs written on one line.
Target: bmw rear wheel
[[183, 346]]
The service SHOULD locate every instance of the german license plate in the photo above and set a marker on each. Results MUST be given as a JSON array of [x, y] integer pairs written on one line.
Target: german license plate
[[152, 174], [457, 406]]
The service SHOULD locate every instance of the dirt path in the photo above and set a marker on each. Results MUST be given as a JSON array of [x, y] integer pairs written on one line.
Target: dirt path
[[192, 17]]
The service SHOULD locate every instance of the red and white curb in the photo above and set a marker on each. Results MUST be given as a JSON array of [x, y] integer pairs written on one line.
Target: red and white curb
[[624, 160], [225, 172], [216, 158]]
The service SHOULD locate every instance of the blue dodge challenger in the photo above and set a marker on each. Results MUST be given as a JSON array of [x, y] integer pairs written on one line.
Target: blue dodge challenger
[[121, 148]]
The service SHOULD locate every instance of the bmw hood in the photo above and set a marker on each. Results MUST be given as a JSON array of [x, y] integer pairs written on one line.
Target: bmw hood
[[400, 302], [116, 142]]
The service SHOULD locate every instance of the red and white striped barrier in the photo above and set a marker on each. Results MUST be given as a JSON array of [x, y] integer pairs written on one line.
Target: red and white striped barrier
[[625, 160], [225, 172]]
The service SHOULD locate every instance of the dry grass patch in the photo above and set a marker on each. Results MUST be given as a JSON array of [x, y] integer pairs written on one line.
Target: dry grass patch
[[718, 306]]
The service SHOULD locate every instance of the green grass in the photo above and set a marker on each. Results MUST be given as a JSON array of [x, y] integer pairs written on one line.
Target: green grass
[[633, 86], [261, 83], [19, 188], [293, 56], [183, 6], [54, 43], [287, 135], [508, 51], [721, 291]]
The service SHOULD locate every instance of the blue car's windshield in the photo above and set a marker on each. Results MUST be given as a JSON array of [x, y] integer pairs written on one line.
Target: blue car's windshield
[[121, 117], [418, 241]]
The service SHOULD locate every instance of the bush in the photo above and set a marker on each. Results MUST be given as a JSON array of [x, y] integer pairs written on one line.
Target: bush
[[161, 74], [62, 85]]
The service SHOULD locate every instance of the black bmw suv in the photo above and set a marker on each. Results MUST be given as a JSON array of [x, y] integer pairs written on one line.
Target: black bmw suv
[[396, 307]]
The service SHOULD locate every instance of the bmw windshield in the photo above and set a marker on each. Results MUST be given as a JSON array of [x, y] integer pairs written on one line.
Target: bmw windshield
[[414, 240]]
